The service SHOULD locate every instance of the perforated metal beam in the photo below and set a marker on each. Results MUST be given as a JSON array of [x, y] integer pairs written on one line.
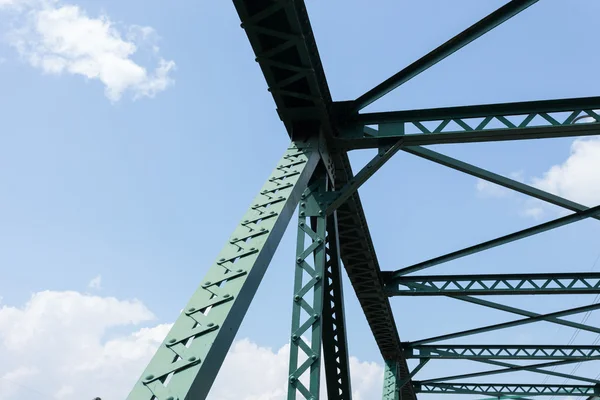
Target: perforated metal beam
[[469, 124], [186, 363], [507, 352], [500, 389], [496, 284]]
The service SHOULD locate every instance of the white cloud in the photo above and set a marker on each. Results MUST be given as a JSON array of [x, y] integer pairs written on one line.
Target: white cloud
[[59, 39], [96, 283], [577, 178], [56, 347]]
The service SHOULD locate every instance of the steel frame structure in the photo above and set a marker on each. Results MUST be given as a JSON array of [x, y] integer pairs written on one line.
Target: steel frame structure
[[315, 175]]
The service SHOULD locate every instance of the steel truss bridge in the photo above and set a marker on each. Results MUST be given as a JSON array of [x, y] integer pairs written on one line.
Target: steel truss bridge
[[314, 175]]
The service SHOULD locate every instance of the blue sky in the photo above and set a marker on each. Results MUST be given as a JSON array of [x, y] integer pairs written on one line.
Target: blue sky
[[143, 191]]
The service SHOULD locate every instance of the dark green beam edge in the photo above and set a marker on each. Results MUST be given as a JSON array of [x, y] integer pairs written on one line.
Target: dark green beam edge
[[500, 389], [456, 43], [493, 284], [363, 175], [504, 325], [534, 230], [474, 136], [480, 111], [515, 368], [495, 178], [503, 352], [525, 313]]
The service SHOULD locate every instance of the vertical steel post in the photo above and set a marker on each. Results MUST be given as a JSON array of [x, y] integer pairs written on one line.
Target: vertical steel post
[[307, 309], [391, 381], [335, 343], [186, 363]]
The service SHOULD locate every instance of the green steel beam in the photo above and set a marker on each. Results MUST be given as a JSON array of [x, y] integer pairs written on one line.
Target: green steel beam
[[536, 369], [504, 325], [186, 363], [534, 230], [515, 368], [391, 381], [496, 284], [285, 48], [518, 311], [506, 352], [470, 124], [384, 155], [307, 310], [501, 389], [456, 43], [335, 341], [495, 178]]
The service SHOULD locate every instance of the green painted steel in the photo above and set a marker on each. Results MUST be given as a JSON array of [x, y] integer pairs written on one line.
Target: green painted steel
[[508, 284], [307, 309], [186, 363], [335, 341], [501, 389], [508, 352], [472, 124], [363, 175], [495, 178], [504, 325], [536, 368], [456, 43], [518, 311], [391, 381], [522, 234], [333, 228]]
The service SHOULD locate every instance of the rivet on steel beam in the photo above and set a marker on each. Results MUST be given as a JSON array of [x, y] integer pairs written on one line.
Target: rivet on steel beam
[[298, 260], [239, 271], [294, 337], [302, 213], [292, 379], [320, 212], [314, 357], [192, 359], [316, 317], [149, 377], [226, 295], [303, 204], [317, 277], [191, 309], [172, 340], [252, 248], [296, 298], [210, 324]]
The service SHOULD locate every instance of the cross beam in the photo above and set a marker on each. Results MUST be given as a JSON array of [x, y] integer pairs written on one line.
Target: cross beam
[[500, 389], [507, 284], [469, 124], [504, 352]]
